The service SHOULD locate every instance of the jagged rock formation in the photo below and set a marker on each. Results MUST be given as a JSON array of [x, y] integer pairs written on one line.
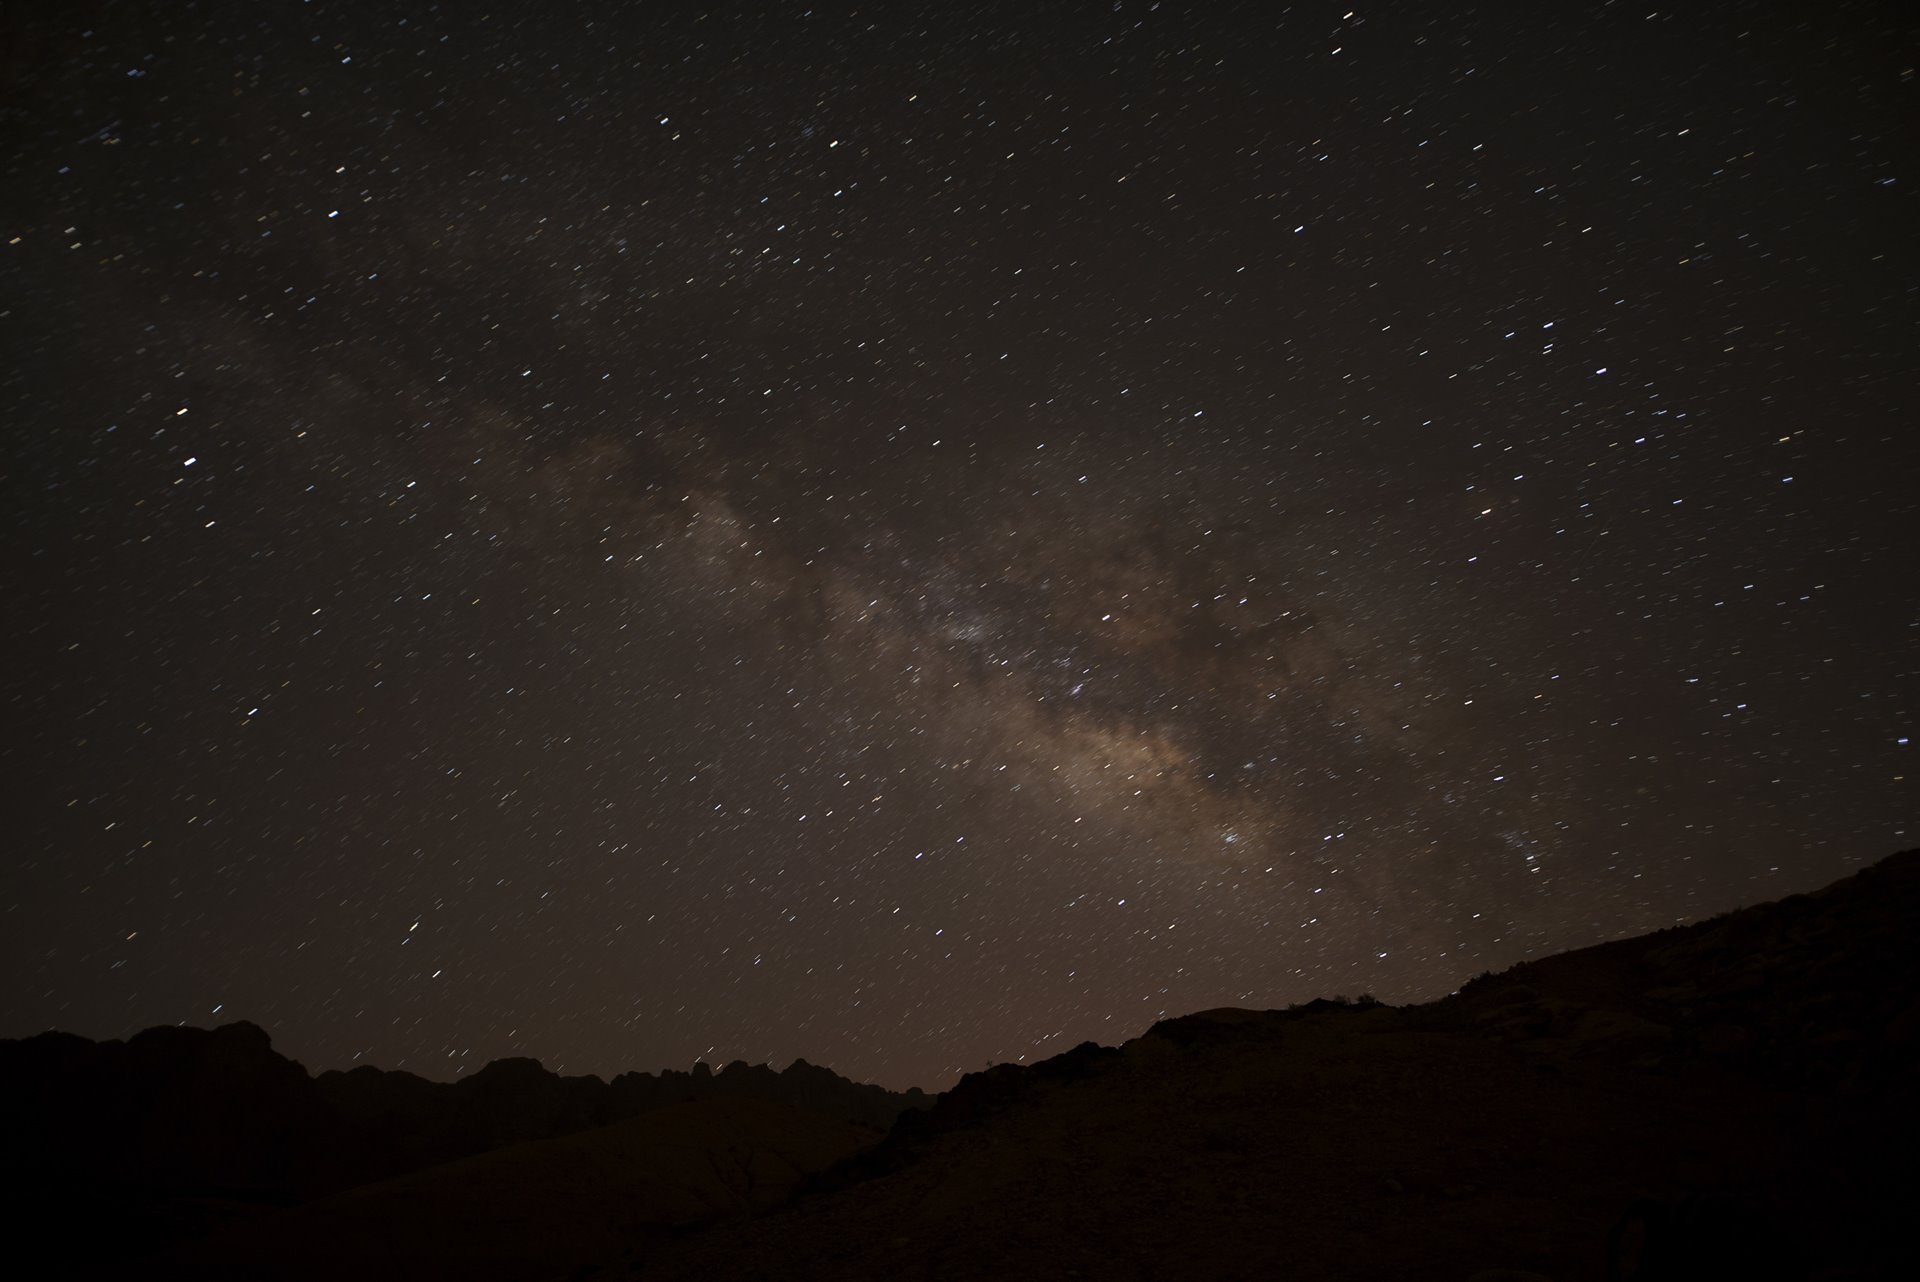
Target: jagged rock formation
[[178, 1130], [398, 1122]]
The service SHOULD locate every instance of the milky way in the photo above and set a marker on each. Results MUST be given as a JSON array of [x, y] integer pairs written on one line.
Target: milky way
[[916, 538]]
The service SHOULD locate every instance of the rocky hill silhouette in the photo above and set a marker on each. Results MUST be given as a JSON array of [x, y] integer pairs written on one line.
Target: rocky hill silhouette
[[1731, 1099], [177, 1130]]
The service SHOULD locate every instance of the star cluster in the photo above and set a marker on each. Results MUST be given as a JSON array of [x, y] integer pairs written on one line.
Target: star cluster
[[917, 535]]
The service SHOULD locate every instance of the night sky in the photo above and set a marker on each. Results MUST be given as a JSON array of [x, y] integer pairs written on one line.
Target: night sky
[[914, 536]]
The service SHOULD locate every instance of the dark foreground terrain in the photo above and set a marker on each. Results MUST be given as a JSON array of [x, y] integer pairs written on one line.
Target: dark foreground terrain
[[1734, 1099]]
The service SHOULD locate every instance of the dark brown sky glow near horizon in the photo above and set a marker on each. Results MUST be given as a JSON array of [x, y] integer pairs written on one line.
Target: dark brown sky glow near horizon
[[918, 535]]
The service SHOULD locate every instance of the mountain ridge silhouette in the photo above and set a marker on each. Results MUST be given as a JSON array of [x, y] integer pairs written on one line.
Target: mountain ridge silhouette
[[1728, 1098]]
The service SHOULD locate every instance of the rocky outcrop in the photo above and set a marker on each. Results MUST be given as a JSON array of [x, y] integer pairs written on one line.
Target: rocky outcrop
[[1813, 992], [177, 1130], [212, 1112], [399, 1122]]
